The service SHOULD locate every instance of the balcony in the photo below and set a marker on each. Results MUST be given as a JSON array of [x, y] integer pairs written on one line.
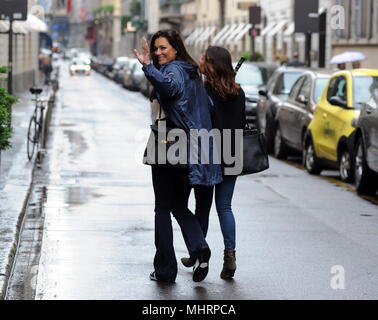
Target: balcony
[[170, 11]]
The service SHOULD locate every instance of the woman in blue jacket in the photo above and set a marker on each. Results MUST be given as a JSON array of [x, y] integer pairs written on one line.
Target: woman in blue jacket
[[183, 99]]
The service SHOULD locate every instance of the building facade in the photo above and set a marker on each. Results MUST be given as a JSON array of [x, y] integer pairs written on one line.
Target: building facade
[[360, 32], [25, 47]]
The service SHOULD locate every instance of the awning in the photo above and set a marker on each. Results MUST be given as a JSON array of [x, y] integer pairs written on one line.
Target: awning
[[269, 27], [233, 34], [205, 36], [278, 28], [202, 35], [193, 36], [33, 23], [241, 34], [221, 33], [195, 40], [222, 39], [289, 30], [186, 32], [22, 27]]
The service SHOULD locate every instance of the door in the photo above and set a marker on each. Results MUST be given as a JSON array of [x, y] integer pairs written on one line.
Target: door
[[334, 118], [287, 111], [372, 133], [299, 116]]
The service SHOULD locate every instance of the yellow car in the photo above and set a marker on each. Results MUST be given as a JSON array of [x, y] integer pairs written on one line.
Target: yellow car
[[329, 140]]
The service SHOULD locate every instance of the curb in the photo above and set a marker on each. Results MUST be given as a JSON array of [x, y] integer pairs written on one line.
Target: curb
[[18, 186]]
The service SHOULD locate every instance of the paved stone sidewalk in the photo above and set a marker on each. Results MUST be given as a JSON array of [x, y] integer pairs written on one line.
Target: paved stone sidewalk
[[15, 180]]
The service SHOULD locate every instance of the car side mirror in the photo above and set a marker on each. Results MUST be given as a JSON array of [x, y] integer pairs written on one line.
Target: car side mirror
[[337, 101], [263, 92], [302, 99]]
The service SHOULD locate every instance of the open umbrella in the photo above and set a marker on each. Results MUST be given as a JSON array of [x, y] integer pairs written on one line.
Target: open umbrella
[[348, 56]]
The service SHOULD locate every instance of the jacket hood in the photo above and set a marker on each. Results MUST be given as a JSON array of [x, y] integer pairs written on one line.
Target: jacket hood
[[188, 67]]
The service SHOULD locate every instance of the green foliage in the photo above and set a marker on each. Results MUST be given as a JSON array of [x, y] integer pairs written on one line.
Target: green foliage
[[255, 57], [135, 8], [107, 8], [3, 69], [140, 24], [6, 102], [124, 21]]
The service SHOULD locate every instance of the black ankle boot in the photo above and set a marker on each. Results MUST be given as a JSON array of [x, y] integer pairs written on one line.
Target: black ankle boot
[[229, 264], [188, 262]]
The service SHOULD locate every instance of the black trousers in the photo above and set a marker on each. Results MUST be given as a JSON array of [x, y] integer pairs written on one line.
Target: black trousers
[[171, 196], [204, 200]]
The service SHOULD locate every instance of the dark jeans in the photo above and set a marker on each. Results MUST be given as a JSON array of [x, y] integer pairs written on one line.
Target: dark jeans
[[171, 196], [223, 199]]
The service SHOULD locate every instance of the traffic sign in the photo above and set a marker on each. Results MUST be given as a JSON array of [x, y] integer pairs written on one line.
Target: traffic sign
[[13, 9]]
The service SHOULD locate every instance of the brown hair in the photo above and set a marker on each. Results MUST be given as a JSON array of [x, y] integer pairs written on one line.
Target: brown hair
[[220, 74], [174, 39]]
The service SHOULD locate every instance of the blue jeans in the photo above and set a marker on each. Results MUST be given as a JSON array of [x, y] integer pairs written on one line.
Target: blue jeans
[[223, 198]]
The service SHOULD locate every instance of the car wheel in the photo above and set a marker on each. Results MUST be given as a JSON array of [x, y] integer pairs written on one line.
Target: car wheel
[[280, 149], [365, 180], [269, 134], [311, 161], [346, 167]]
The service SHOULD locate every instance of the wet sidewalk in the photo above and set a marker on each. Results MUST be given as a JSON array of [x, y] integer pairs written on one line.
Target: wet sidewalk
[[16, 173]]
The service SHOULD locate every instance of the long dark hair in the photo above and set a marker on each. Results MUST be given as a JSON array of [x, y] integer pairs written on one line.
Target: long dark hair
[[220, 74], [174, 39]]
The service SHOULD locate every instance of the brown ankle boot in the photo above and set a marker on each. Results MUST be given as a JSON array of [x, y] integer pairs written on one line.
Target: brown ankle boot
[[229, 265]]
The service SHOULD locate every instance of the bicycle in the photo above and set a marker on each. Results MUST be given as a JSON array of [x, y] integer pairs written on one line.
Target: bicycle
[[36, 126]]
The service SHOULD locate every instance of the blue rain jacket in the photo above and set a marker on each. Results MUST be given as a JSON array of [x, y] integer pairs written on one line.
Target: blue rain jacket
[[183, 98]]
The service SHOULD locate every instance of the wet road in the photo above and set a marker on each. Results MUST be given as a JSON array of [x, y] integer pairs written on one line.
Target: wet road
[[298, 236]]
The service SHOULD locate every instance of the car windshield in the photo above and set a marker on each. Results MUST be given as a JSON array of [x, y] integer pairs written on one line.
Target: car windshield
[[364, 89], [320, 84], [249, 76], [79, 62], [289, 79]]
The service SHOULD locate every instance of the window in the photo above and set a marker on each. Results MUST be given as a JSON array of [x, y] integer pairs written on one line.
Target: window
[[370, 16], [250, 75], [337, 87], [320, 84], [364, 88], [305, 90], [357, 18], [294, 90], [285, 82]]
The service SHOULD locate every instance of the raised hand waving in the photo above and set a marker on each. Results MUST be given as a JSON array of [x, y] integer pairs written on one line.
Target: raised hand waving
[[143, 57]]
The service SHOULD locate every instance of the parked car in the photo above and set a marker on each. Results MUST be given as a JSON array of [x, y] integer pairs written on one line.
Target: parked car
[[296, 113], [133, 75], [330, 137], [119, 67], [102, 64], [366, 142], [145, 87], [79, 65], [252, 77], [276, 91]]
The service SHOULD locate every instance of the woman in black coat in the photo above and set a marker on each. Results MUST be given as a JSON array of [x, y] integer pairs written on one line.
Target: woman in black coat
[[228, 115]]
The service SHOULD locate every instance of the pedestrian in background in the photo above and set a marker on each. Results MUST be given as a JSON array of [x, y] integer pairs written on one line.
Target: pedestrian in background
[[183, 99], [295, 62], [46, 68], [228, 113]]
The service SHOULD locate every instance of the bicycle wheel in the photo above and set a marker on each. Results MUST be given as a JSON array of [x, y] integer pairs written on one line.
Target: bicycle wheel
[[32, 137]]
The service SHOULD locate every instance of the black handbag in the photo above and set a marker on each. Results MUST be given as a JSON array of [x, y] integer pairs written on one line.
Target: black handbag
[[158, 145], [255, 155]]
